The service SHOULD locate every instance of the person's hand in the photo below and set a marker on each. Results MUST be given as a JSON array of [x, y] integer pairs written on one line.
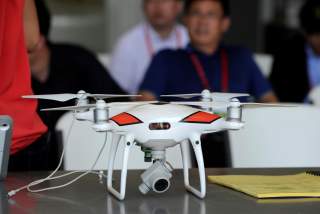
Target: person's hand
[[39, 60], [146, 96], [31, 27], [269, 97]]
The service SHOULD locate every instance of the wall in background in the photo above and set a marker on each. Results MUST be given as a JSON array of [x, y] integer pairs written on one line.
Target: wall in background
[[246, 28], [97, 24], [80, 22], [120, 17]]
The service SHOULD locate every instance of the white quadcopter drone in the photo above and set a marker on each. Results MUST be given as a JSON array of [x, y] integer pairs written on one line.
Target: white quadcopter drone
[[156, 126]]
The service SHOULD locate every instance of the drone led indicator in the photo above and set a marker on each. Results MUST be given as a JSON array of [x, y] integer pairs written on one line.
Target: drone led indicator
[[125, 119], [201, 117]]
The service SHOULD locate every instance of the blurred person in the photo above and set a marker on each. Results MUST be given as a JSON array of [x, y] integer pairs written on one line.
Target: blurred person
[[207, 63], [135, 49], [296, 68], [19, 34], [64, 68]]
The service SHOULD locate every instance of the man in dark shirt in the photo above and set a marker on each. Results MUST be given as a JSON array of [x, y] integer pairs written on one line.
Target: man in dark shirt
[[64, 68], [206, 63], [296, 68]]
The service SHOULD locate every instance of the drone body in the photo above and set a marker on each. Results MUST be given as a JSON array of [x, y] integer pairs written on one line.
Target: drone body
[[162, 125], [156, 126]]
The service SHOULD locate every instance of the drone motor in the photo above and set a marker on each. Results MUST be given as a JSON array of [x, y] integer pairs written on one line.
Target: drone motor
[[234, 111], [101, 117], [82, 99]]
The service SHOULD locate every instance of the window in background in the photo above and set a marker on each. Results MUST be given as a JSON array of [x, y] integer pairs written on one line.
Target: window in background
[[280, 21], [79, 21], [97, 24]]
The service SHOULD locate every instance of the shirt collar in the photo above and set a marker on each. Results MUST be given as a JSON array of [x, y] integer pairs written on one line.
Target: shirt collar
[[191, 49], [156, 37]]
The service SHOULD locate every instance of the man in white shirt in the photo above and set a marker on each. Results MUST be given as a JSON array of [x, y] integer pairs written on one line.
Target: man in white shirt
[[135, 49]]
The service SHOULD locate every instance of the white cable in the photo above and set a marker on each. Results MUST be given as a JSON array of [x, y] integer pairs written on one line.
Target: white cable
[[78, 171], [75, 179], [51, 177], [13, 192]]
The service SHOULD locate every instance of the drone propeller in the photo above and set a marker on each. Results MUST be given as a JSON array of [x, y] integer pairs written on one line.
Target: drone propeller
[[224, 105], [70, 108], [79, 95], [55, 97], [110, 96], [215, 105], [206, 94], [266, 105], [105, 105], [183, 96], [227, 96]]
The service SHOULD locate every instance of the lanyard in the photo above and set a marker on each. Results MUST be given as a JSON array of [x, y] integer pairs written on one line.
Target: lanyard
[[148, 41], [202, 75]]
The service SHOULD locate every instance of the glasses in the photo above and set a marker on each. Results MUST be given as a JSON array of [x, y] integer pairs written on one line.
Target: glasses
[[159, 1], [209, 16]]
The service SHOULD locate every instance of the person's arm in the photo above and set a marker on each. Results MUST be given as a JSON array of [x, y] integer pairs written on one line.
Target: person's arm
[[259, 85], [31, 27], [155, 81], [123, 66], [146, 96], [94, 76], [269, 97]]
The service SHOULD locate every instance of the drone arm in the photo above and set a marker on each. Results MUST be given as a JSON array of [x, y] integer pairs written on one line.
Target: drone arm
[[128, 144], [233, 125], [196, 144], [219, 110], [84, 116]]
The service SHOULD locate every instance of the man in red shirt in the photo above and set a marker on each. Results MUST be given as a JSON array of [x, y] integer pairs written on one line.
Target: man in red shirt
[[19, 33]]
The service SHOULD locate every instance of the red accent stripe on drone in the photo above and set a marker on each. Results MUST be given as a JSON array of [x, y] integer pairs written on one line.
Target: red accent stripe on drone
[[201, 117], [125, 119]]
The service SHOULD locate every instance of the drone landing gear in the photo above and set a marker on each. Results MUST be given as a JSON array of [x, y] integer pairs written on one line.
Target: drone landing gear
[[196, 144], [128, 140]]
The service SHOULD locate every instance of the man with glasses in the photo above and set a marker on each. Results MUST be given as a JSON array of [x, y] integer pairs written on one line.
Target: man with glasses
[[206, 63], [136, 48]]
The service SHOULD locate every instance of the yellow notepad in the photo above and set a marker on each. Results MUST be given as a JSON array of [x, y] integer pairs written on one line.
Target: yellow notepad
[[299, 185]]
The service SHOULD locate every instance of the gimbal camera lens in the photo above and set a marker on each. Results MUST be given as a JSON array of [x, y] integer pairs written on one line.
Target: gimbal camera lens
[[161, 185], [156, 178]]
